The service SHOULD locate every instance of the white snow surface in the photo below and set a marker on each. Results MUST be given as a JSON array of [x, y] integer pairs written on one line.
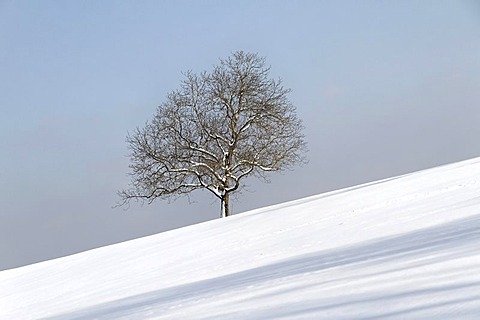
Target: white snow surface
[[401, 248]]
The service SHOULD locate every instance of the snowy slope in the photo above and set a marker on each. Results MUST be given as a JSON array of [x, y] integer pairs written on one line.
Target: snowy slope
[[401, 248]]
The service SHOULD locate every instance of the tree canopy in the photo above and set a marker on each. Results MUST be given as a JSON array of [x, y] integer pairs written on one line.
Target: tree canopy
[[216, 129]]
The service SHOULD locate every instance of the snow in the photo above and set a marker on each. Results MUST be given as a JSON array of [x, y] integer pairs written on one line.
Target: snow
[[401, 248]]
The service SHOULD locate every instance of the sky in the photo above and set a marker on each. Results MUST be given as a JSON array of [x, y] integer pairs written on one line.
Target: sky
[[383, 88]]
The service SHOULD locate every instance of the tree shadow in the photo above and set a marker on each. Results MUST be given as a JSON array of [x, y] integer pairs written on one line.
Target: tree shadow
[[456, 239]]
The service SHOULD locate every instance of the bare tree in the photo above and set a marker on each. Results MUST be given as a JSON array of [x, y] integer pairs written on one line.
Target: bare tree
[[213, 132]]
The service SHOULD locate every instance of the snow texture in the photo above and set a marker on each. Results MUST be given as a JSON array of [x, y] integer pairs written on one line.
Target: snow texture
[[401, 248]]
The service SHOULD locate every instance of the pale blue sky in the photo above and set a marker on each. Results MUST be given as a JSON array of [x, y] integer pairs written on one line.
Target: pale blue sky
[[383, 87]]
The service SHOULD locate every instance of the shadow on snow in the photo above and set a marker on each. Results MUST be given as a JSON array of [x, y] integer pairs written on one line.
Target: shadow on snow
[[452, 240]]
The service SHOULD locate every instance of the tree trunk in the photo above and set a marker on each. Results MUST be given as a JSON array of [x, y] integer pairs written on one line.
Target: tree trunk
[[225, 205]]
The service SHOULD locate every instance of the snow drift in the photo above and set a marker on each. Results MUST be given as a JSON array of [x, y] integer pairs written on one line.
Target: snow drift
[[401, 248]]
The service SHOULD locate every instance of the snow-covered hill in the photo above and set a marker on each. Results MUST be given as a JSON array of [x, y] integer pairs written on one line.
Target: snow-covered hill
[[401, 248]]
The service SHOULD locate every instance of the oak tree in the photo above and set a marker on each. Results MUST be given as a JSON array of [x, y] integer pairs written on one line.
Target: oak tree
[[217, 129]]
